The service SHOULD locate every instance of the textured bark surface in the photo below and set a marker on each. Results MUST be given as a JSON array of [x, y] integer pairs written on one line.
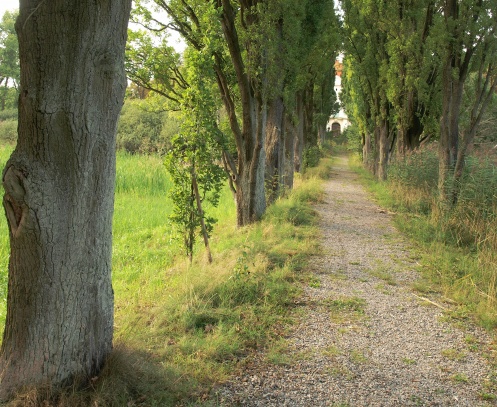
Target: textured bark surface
[[449, 128], [384, 150], [299, 138], [274, 147], [59, 187], [288, 164], [367, 151]]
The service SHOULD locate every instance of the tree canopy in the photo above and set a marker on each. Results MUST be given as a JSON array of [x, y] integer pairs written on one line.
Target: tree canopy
[[407, 66], [9, 61]]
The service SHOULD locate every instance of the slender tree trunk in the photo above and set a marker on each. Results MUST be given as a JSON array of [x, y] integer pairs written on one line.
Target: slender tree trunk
[[321, 133], [273, 148], [367, 150], [310, 133], [200, 211], [449, 131], [289, 152], [383, 151], [375, 162], [299, 139], [59, 188]]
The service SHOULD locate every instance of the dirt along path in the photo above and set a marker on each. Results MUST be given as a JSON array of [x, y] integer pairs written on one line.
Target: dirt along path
[[365, 337]]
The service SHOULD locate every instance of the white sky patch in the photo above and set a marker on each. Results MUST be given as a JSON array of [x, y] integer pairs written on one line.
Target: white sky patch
[[10, 5]]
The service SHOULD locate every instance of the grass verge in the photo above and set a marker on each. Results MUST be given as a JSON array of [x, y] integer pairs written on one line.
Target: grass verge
[[456, 252], [451, 262], [182, 328]]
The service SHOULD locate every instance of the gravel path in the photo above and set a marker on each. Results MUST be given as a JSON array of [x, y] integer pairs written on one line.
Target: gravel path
[[364, 336]]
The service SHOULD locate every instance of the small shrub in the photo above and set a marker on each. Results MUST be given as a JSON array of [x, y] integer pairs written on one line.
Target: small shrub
[[8, 114], [141, 129], [8, 131], [311, 156]]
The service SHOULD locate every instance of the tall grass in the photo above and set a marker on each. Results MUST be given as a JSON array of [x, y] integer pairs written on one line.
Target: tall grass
[[5, 152], [459, 246], [141, 174]]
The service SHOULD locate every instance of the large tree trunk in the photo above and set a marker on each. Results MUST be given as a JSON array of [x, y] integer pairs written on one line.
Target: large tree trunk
[[59, 187], [321, 133], [409, 128]]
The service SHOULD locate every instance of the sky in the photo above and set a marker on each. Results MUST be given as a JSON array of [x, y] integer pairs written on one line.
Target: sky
[[8, 5]]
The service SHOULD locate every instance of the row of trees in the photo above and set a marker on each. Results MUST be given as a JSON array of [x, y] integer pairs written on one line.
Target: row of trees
[[255, 85], [417, 70], [9, 62], [270, 63]]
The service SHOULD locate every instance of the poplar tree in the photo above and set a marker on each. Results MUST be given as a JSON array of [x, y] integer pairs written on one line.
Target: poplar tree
[[59, 193]]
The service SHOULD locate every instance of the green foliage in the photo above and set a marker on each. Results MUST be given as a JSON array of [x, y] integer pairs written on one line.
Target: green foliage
[[354, 138], [187, 161], [193, 160], [8, 114], [8, 131], [311, 156], [154, 65], [144, 129], [9, 61]]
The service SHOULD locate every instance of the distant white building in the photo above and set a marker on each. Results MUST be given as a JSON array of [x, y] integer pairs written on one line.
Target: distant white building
[[337, 123]]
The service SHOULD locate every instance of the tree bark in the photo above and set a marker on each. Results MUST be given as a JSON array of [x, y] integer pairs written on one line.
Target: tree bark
[[367, 148], [59, 187], [310, 132], [449, 129], [299, 139], [200, 211], [321, 133], [383, 150], [289, 152], [273, 148]]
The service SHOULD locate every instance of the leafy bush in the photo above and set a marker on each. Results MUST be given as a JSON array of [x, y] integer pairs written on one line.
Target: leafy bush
[[311, 156], [8, 131], [142, 129], [354, 139], [8, 114]]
